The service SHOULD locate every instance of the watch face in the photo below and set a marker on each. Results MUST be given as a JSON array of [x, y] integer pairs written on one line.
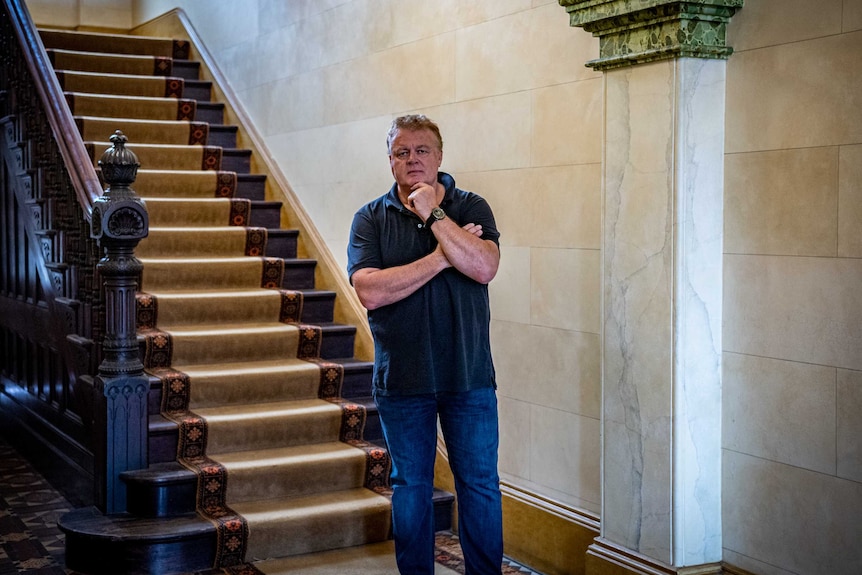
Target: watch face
[[438, 213]]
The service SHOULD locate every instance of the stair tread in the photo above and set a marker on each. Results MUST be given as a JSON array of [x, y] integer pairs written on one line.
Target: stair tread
[[208, 261], [286, 364], [244, 367], [91, 522], [290, 455], [253, 328], [275, 409], [237, 292], [120, 97]]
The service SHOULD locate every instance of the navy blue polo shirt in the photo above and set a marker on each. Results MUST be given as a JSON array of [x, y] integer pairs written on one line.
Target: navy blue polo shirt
[[436, 339]]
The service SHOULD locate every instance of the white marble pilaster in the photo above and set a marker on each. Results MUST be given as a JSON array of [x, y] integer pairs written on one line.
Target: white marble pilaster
[[662, 273]]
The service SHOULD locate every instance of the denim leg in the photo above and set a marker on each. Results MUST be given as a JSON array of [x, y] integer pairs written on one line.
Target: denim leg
[[469, 424], [410, 428]]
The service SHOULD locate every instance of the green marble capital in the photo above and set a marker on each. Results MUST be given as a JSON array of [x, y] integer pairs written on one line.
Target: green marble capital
[[638, 31]]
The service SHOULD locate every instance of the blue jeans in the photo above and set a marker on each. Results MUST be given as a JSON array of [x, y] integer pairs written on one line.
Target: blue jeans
[[469, 424]]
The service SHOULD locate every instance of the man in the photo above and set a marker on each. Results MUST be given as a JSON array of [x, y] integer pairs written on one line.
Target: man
[[420, 258]]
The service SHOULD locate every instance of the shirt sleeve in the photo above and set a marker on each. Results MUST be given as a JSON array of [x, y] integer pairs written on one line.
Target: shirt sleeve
[[476, 210], [363, 249]]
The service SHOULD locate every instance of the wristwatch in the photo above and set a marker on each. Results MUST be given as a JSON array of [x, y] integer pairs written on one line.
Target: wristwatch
[[437, 214]]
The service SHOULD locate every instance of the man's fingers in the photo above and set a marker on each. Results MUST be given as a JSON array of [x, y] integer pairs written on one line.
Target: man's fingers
[[474, 229]]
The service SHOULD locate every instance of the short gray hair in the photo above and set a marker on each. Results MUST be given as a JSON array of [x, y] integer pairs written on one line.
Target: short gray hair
[[415, 123]]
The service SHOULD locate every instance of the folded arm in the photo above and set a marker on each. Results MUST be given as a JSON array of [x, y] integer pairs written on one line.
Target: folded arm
[[461, 247]]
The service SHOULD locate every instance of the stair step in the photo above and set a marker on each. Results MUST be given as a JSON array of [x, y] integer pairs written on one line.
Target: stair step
[[203, 241], [161, 490], [158, 134], [188, 310], [270, 371], [164, 157], [125, 85], [139, 107], [100, 544], [202, 273], [107, 43], [337, 519], [169, 488]]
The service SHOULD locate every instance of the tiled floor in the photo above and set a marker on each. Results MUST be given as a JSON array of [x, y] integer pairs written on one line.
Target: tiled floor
[[30, 541], [32, 544]]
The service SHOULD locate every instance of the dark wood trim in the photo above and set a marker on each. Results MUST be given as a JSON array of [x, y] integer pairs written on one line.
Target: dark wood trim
[[78, 163]]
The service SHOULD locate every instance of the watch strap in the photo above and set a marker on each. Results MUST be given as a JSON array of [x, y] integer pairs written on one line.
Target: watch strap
[[433, 218]]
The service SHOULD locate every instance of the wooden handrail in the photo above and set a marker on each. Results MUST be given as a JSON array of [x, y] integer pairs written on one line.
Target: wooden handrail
[[78, 163]]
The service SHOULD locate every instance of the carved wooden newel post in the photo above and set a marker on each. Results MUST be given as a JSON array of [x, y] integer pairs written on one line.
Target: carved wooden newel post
[[119, 222]]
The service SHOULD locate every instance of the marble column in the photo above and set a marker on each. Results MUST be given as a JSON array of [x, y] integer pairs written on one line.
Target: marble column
[[664, 65]]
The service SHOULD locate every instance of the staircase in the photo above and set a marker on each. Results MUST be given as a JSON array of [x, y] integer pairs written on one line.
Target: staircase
[[263, 438]]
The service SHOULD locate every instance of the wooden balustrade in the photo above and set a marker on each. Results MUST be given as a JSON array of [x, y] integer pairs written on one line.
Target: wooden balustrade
[[71, 380]]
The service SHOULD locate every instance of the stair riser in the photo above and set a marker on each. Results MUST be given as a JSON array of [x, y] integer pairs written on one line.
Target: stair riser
[[162, 500], [198, 90], [265, 215], [300, 275], [280, 244], [238, 161], [224, 136], [318, 309], [276, 432], [357, 382], [262, 392], [293, 481], [210, 113], [112, 555], [186, 69], [251, 187]]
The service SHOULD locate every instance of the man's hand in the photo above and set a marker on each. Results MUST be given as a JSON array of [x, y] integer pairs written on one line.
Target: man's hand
[[423, 199]]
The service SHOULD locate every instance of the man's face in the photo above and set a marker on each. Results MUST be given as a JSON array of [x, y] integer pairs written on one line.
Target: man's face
[[415, 157]]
